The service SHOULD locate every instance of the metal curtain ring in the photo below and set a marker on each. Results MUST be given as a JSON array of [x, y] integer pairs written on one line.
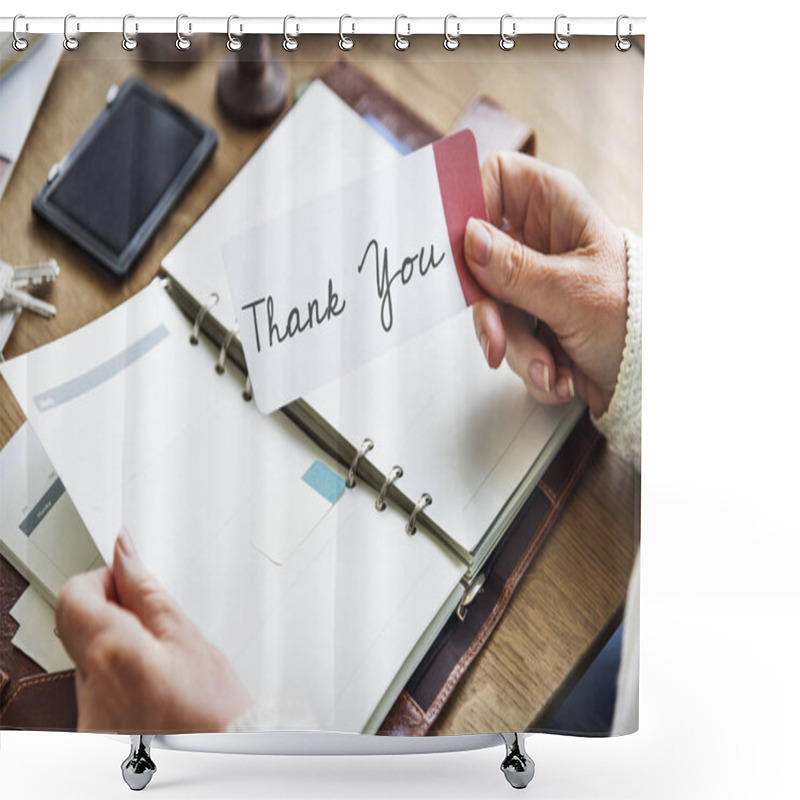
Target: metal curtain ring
[[507, 42], [213, 299], [396, 472], [234, 44], [400, 42], [623, 44], [560, 43], [424, 501], [181, 42], [345, 42], [128, 42], [289, 42], [366, 446], [451, 42], [18, 43], [70, 42]]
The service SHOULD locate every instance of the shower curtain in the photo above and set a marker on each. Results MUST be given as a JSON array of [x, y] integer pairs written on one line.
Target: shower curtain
[[325, 411]]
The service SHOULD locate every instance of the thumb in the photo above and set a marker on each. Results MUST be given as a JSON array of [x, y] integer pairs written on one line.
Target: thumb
[[139, 591], [515, 274]]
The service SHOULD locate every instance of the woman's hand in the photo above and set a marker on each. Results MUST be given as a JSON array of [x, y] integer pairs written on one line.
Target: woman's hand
[[555, 270], [141, 665]]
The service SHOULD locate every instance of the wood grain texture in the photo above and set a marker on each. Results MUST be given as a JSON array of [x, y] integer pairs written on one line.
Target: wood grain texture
[[585, 106]]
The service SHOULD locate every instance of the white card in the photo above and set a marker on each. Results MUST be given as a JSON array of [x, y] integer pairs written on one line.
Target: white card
[[356, 272]]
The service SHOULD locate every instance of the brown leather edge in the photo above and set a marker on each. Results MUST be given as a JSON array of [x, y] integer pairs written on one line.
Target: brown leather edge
[[403, 719], [367, 96], [3, 683], [42, 702]]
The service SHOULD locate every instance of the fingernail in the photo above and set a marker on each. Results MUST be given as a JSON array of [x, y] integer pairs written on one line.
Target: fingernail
[[126, 543], [485, 346], [571, 385], [480, 242], [540, 375]]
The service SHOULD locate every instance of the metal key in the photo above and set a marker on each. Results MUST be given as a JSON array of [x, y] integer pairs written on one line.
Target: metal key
[[14, 280], [35, 274]]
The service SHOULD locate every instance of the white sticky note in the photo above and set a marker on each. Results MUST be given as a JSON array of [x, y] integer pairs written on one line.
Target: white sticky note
[[356, 272]]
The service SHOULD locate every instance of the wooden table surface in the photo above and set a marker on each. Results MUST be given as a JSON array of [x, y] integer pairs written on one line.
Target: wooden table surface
[[585, 106]]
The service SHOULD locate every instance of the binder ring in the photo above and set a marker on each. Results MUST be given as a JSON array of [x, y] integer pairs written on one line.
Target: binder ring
[[507, 42], [451, 42], [623, 44], [400, 42], [469, 596], [128, 42], [396, 472], [345, 42], [234, 44], [247, 392], [213, 299], [18, 42], [289, 42], [181, 42], [223, 351], [366, 446], [560, 43], [424, 501], [70, 42]]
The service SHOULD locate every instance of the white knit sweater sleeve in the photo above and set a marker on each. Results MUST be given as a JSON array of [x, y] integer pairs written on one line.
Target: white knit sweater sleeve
[[622, 422]]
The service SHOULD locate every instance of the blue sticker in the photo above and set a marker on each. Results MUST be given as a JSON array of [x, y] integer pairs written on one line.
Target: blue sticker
[[325, 481]]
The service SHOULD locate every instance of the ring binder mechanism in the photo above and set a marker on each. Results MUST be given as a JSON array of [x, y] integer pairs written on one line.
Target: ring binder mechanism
[[198, 320], [223, 351], [424, 501], [395, 473], [366, 446], [472, 590], [350, 457]]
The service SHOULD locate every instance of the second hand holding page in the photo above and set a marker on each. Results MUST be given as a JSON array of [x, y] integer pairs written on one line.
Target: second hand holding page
[[356, 272]]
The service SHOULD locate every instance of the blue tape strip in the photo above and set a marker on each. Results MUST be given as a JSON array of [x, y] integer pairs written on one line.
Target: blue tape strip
[[325, 481], [101, 373]]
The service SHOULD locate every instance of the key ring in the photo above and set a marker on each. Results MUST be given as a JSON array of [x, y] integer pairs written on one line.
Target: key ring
[[18, 43], [451, 42], [70, 42], [181, 42], [234, 44], [400, 42], [128, 42], [345, 42], [507, 42], [560, 43], [290, 43], [623, 44]]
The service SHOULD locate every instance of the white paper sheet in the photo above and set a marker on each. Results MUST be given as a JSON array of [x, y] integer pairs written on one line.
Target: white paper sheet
[[463, 433], [41, 532], [354, 273], [144, 432]]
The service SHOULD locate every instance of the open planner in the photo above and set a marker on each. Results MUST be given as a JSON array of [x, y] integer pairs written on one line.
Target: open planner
[[265, 528]]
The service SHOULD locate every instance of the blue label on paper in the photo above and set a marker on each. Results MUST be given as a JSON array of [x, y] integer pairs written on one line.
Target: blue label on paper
[[324, 481]]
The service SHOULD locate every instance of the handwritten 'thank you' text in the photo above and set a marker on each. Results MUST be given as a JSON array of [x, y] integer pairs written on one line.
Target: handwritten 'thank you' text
[[296, 321], [314, 314], [405, 272]]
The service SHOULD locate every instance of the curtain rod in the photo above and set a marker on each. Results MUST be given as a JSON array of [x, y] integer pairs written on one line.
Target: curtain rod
[[297, 26]]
